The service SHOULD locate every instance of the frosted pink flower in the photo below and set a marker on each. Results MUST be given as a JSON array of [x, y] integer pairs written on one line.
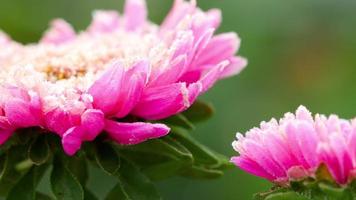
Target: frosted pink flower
[[80, 85], [294, 148]]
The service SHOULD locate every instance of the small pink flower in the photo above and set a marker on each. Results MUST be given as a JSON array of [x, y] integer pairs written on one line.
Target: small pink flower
[[294, 148], [81, 85]]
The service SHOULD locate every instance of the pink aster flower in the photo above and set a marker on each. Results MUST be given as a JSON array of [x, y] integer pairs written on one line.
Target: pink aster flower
[[294, 148], [81, 85]]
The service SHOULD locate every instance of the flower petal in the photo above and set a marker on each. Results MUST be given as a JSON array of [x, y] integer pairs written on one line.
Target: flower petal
[[104, 22], [135, 80], [93, 123], [163, 101], [59, 33], [5, 135], [135, 14], [134, 133], [106, 90], [72, 140]]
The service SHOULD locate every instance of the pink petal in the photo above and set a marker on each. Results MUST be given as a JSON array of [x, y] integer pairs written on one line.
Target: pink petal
[[237, 64], [59, 33], [106, 90], [5, 135], [179, 10], [135, 14], [161, 102], [93, 123], [134, 133], [215, 17], [104, 22], [135, 80], [23, 114], [295, 143], [251, 167], [4, 39], [59, 121], [220, 47], [173, 73], [263, 157], [212, 76], [72, 140]]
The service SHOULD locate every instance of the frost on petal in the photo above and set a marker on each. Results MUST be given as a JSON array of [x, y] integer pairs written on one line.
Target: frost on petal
[[134, 133], [60, 32]]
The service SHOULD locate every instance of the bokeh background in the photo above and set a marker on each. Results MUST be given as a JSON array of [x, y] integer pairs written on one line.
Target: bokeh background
[[300, 52]]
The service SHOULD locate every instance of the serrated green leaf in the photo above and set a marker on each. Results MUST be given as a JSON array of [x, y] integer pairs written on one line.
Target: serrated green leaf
[[286, 196], [107, 158], [199, 111], [39, 151], [133, 184], [25, 188], [179, 120], [64, 185]]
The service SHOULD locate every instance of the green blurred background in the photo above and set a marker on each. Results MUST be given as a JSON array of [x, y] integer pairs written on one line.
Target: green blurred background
[[300, 52]]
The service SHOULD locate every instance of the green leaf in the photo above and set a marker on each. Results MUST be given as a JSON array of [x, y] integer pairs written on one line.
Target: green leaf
[[89, 195], [25, 188], [160, 158], [202, 173], [179, 120], [286, 196], [78, 166], [117, 193], [3, 163], [165, 169], [335, 193], [107, 158], [199, 111], [10, 175], [201, 153], [39, 151], [64, 185], [132, 185], [41, 196]]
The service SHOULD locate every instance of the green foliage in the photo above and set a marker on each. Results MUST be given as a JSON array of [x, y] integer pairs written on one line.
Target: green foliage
[[27, 156], [310, 189], [64, 185]]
